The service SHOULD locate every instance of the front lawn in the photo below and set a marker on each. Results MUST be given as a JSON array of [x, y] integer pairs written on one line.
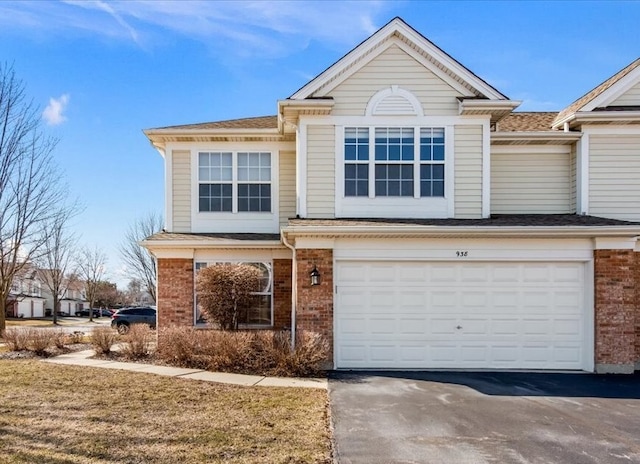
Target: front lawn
[[69, 414]]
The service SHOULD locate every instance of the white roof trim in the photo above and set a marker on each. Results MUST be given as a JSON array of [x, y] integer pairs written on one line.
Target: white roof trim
[[613, 92], [395, 26]]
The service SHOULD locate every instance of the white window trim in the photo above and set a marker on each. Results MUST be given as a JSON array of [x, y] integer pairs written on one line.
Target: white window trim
[[395, 207], [212, 221], [210, 262]]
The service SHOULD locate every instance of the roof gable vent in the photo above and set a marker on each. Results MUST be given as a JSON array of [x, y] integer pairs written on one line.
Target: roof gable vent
[[394, 101]]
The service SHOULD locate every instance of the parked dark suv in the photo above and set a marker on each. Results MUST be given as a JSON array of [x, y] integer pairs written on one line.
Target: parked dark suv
[[123, 318]]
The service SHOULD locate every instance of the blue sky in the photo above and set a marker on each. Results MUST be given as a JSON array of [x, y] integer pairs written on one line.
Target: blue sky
[[103, 71]]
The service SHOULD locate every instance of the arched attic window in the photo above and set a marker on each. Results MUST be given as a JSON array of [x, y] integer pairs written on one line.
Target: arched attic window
[[394, 101]]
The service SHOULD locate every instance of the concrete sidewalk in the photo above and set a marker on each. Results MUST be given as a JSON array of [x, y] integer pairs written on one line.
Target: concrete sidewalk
[[83, 358]]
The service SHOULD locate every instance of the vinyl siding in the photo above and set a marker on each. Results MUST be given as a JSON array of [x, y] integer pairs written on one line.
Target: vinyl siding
[[321, 172], [468, 172], [287, 186], [181, 185], [630, 98], [573, 199], [614, 173], [531, 183], [394, 67]]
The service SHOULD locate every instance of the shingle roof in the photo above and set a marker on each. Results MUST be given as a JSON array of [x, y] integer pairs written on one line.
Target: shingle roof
[[211, 237], [527, 122], [498, 220], [261, 122], [589, 96]]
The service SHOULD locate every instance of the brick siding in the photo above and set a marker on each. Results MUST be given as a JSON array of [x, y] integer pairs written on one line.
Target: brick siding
[[175, 292], [282, 293], [616, 334], [314, 308]]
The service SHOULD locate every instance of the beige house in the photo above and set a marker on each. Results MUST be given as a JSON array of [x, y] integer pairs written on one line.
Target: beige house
[[447, 229]]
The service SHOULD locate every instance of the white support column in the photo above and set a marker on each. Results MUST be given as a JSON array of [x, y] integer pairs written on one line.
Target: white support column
[[582, 175], [301, 170], [486, 169]]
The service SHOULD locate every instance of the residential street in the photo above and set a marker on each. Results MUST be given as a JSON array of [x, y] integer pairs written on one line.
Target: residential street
[[482, 418]]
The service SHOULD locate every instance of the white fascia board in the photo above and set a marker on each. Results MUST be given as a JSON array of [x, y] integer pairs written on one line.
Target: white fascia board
[[399, 26], [536, 136], [599, 116], [615, 243], [613, 92], [489, 105], [468, 231], [157, 245]]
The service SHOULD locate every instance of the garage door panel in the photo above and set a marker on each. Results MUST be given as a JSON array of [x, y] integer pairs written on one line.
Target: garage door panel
[[460, 315]]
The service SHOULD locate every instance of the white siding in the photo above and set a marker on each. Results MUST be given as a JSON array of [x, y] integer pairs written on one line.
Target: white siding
[[614, 176], [181, 185], [573, 204], [321, 172], [394, 67], [630, 98], [531, 182], [468, 172], [287, 186]]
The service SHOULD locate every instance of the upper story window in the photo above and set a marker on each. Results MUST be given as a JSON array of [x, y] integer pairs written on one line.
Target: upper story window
[[234, 182], [407, 162]]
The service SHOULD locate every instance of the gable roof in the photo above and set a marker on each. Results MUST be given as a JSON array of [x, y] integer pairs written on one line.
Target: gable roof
[[596, 92], [441, 62]]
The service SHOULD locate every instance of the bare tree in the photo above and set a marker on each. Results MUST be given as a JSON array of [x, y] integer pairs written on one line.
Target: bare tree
[[29, 190], [91, 268], [58, 253], [139, 261]]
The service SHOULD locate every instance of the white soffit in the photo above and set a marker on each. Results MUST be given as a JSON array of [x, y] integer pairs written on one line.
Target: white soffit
[[394, 32]]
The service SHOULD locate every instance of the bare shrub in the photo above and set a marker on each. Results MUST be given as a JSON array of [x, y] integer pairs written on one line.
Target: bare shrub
[[16, 338], [103, 339], [75, 338], [309, 356], [39, 340], [138, 342], [226, 291], [59, 339], [248, 352]]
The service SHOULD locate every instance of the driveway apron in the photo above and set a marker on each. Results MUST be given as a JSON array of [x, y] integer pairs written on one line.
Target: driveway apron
[[459, 418]]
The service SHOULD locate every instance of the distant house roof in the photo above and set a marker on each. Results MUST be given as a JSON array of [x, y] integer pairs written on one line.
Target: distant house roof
[[527, 122], [589, 96], [261, 122]]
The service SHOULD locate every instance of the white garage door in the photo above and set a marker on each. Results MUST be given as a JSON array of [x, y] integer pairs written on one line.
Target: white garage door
[[496, 315]]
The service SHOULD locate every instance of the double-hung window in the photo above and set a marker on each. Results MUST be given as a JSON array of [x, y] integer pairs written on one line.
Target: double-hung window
[[406, 162], [234, 182]]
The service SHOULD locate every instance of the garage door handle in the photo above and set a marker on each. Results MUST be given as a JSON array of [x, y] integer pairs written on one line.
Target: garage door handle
[[459, 327]]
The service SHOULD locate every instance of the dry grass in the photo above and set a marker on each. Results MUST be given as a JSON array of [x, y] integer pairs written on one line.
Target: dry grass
[[54, 414]]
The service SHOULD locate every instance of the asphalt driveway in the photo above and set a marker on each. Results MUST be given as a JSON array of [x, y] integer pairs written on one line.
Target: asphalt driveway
[[460, 418]]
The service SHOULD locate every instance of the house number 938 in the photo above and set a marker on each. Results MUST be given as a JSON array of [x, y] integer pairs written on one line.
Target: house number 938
[[462, 254]]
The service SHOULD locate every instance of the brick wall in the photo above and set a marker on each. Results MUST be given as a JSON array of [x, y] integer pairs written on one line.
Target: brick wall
[[637, 357], [282, 293], [314, 308], [615, 310], [175, 292]]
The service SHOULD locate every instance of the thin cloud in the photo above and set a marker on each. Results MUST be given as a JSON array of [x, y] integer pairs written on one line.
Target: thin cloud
[[53, 113], [243, 29]]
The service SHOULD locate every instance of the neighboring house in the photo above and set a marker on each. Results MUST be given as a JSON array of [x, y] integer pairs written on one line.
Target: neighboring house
[[25, 298], [72, 298], [447, 230]]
